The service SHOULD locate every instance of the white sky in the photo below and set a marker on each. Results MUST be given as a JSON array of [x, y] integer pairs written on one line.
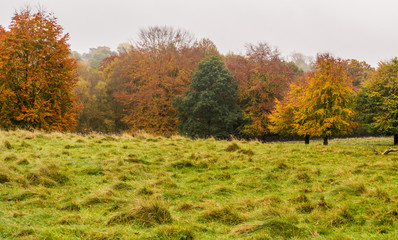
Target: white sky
[[362, 29]]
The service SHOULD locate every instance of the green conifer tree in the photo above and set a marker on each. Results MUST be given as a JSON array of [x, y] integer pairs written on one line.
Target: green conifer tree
[[210, 107]]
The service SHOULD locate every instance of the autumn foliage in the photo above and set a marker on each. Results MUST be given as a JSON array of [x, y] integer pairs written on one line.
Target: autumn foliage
[[285, 116], [263, 76], [97, 112], [358, 72], [136, 88], [321, 105], [328, 104], [151, 74], [36, 74]]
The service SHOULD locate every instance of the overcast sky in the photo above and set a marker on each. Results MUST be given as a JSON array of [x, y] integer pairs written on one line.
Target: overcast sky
[[362, 29]]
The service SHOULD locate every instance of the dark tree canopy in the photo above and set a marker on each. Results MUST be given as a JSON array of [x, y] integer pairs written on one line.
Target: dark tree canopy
[[210, 107], [378, 102]]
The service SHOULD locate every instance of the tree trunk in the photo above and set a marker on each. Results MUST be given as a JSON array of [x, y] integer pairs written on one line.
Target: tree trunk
[[395, 139], [307, 139], [325, 140]]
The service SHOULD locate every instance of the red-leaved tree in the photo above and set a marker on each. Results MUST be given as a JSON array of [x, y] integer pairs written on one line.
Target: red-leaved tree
[[263, 77]]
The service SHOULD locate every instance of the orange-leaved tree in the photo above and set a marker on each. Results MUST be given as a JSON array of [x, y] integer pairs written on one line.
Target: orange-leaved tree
[[358, 72], [152, 73], [36, 74]]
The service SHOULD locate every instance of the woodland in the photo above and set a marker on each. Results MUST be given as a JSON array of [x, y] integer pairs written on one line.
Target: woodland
[[167, 82]]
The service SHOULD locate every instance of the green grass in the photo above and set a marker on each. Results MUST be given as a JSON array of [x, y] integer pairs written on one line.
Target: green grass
[[68, 186]]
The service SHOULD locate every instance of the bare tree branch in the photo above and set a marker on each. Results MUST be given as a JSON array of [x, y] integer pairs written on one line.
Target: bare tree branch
[[387, 151]]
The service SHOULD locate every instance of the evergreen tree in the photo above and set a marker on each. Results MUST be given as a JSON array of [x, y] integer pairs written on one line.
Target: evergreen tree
[[210, 107]]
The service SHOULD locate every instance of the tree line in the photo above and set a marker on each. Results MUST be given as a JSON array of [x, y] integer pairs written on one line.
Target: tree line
[[168, 82]]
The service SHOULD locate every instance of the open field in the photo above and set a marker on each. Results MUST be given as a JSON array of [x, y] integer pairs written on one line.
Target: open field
[[67, 186]]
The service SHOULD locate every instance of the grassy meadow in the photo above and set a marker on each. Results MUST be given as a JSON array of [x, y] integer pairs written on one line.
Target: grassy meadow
[[69, 186]]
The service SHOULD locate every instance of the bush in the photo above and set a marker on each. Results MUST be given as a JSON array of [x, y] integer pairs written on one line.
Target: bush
[[147, 213]]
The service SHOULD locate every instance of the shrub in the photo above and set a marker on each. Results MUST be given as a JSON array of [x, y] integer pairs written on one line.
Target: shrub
[[175, 232], [232, 147], [224, 214], [147, 213], [7, 144], [4, 178]]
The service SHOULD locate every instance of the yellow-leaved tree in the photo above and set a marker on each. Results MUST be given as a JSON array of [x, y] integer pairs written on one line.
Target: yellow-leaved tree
[[284, 118], [320, 106]]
